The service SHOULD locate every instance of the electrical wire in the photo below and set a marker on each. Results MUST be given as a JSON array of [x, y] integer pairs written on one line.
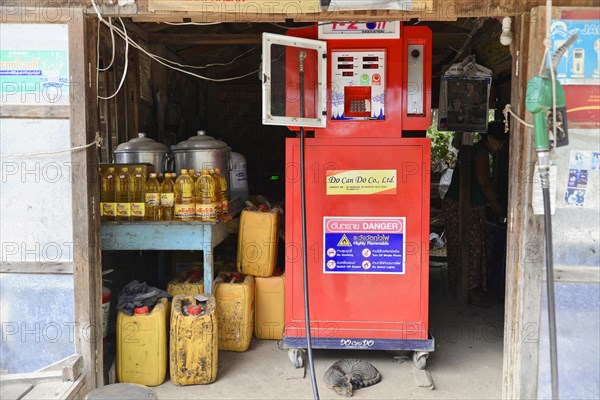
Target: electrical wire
[[548, 224], [112, 39], [311, 363], [125, 68], [191, 23], [161, 60], [97, 141], [299, 27], [216, 64]]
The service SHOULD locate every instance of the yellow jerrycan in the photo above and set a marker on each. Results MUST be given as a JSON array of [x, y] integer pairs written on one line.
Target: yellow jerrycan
[[194, 340], [234, 293], [142, 345], [269, 306], [188, 282]]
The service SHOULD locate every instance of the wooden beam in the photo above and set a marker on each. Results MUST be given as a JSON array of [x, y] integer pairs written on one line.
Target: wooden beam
[[32, 377], [36, 267], [525, 239], [87, 274], [205, 39], [70, 367], [577, 274], [45, 112]]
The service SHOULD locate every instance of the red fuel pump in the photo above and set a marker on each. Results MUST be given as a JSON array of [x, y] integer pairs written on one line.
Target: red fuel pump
[[367, 190]]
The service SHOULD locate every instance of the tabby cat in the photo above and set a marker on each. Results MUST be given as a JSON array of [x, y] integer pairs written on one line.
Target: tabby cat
[[350, 374]]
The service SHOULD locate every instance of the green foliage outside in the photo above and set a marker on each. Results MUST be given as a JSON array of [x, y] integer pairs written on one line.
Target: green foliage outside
[[441, 156]]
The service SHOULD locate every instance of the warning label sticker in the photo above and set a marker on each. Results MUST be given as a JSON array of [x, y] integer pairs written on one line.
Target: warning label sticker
[[359, 245]]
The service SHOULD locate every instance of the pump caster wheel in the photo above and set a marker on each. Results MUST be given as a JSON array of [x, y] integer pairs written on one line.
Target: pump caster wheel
[[420, 359], [296, 356]]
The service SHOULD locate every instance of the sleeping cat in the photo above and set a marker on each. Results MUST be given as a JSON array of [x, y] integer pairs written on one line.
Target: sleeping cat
[[350, 374]]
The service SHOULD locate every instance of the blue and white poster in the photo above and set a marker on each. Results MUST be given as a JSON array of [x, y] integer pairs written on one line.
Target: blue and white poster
[[581, 63], [364, 245]]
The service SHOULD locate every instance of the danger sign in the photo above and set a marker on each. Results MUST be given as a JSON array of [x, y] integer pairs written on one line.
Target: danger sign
[[359, 245]]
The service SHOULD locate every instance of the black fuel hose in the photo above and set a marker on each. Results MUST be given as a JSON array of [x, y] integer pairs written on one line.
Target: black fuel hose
[[311, 364], [550, 290]]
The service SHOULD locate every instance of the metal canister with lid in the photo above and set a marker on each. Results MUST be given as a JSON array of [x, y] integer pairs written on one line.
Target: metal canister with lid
[[143, 150], [201, 152]]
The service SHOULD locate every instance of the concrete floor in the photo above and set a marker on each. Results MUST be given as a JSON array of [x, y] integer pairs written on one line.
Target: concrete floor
[[467, 363]]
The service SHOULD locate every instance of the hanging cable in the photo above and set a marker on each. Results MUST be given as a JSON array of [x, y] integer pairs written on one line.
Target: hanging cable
[[299, 27], [191, 23], [167, 63], [215, 64], [97, 142], [545, 180], [124, 68], [112, 39], [311, 364]]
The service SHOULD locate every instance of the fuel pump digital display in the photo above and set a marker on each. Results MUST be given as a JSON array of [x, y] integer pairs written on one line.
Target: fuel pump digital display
[[358, 84]]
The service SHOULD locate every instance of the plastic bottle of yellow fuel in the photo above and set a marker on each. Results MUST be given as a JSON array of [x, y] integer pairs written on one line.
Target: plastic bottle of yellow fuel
[[192, 173], [108, 205], [122, 186], [221, 194], [184, 197], [138, 200], [206, 203], [152, 198], [167, 197]]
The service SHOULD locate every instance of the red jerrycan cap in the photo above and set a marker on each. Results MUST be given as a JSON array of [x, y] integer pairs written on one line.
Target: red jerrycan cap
[[195, 276], [141, 310], [194, 309]]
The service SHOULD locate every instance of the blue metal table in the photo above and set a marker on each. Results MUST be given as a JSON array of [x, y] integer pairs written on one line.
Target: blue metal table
[[166, 235]]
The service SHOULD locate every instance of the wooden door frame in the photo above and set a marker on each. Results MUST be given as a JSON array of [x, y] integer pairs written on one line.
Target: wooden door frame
[[525, 240], [86, 265]]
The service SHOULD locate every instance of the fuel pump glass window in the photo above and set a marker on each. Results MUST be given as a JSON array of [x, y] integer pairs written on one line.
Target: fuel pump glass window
[[293, 93], [290, 97]]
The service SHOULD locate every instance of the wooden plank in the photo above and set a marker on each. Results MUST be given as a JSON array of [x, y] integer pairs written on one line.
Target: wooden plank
[[160, 89], [577, 274], [78, 389], [46, 112], [25, 11], [32, 377], [72, 369], [14, 390], [84, 124], [36, 267], [160, 235], [464, 215], [49, 391], [260, 6], [441, 10], [205, 39], [58, 366], [525, 243]]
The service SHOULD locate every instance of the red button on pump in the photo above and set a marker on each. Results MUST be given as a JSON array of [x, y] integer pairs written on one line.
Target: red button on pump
[[141, 310], [194, 309]]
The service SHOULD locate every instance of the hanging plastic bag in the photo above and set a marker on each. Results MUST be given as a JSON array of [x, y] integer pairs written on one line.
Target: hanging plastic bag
[[445, 181]]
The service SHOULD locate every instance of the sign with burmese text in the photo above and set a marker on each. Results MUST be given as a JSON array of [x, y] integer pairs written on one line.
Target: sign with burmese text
[[364, 245]]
